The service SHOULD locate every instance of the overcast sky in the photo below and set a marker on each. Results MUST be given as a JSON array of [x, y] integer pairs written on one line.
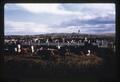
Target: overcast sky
[[28, 19]]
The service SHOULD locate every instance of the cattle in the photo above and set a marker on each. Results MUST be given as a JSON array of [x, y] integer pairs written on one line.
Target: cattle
[[25, 51], [10, 48], [45, 54], [19, 48], [32, 49], [88, 53], [89, 47], [51, 52]]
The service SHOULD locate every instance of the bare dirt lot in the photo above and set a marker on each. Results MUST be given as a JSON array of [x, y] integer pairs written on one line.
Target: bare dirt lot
[[26, 67]]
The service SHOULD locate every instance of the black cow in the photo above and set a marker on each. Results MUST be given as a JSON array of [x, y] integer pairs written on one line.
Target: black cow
[[10, 49], [45, 54], [90, 46]]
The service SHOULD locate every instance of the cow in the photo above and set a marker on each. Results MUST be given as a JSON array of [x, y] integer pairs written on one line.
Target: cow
[[45, 54]]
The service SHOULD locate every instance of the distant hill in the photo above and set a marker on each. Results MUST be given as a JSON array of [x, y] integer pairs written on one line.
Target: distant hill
[[66, 34]]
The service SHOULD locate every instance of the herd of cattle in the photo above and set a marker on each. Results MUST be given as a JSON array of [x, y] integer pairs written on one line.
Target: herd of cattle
[[47, 51]]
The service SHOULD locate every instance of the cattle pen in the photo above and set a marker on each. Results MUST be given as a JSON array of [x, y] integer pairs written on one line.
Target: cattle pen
[[48, 56], [68, 61]]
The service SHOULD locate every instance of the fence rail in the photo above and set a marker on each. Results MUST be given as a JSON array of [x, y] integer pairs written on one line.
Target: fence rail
[[64, 44]]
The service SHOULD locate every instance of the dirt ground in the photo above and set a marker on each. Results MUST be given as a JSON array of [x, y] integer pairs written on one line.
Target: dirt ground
[[72, 66]]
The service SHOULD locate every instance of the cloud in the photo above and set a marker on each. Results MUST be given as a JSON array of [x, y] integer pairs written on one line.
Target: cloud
[[15, 27], [25, 27], [56, 18], [82, 11], [101, 9], [29, 28], [9, 6], [89, 20], [46, 8], [85, 11], [95, 25]]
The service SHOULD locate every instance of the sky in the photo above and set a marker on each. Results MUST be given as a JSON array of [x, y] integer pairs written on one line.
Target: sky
[[42, 18]]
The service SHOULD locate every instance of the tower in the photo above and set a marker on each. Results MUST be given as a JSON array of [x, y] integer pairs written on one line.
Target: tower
[[78, 31]]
